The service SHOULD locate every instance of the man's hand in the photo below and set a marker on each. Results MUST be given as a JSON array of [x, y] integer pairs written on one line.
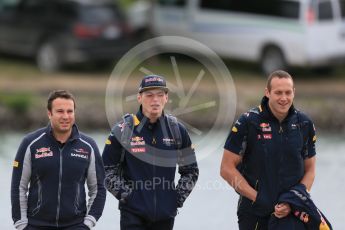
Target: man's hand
[[282, 210]]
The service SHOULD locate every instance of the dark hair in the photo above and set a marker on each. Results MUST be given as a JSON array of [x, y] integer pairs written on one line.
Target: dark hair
[[277, 74], [59, 94]]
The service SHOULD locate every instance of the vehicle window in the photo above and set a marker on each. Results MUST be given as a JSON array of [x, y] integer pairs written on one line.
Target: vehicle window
[[8, 3], [285, 9], [325, 11], [288, 9], [99, 13], [172, 2]]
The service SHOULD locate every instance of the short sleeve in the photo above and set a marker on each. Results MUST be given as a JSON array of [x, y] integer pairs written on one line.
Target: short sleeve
[[237, 138], [311, 151]]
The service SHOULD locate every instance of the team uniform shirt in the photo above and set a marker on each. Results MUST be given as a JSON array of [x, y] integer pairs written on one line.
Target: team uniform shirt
[[145, 185], [273, 153], [48, 181]]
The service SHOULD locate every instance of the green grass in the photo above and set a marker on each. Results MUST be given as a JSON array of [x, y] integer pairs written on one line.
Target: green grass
[[125, 3], [19, 68], [16, 68], [18, 103]]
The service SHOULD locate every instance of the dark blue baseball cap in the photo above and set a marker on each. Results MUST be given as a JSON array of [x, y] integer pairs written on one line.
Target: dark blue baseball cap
[[153, 82]]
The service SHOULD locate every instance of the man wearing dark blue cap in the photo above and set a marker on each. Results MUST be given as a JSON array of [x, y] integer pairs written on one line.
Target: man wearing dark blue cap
[[140, 158]]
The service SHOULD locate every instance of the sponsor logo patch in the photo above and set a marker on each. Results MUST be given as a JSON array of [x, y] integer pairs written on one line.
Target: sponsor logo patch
[[153, 79], [43, 152], [168, 141], [234, 129], [108, 142], [304, 217], [80, 153], [267, 136], [136, 120], [314, 138], [265, 127], [137, 141], [138, 150], [136, 138], [15, 164], [122, 126], [81, 150]]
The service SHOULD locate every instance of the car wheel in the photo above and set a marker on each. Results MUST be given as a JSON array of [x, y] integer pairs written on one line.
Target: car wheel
[[47, 57], [272, 59]]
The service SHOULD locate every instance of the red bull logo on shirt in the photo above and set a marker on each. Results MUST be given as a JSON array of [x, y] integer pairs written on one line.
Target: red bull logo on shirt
[[266, 127], [137, 141], [81, 150], [43, 152]]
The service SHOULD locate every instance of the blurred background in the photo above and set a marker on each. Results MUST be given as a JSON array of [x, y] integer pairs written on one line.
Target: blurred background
[[75, 44]]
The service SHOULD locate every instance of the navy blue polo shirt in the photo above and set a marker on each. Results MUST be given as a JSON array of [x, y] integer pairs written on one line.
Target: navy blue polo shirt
[[273, 152]]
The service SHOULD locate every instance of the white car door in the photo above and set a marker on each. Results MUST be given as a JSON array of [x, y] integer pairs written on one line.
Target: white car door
[[324, 33]]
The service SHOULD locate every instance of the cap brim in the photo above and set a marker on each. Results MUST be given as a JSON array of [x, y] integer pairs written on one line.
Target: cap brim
[[165, 89]]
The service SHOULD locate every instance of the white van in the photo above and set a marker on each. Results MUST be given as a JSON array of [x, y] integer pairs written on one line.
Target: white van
[[275, 33]]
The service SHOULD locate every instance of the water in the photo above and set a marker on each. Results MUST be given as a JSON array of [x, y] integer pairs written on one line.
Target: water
[[213, 203]]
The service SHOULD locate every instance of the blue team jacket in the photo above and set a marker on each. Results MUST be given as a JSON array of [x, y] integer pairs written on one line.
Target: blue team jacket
[[304, 213], [56, 195], [146, 185]]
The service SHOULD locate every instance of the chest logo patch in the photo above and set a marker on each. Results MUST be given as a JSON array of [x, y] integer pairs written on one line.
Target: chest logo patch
[[265, 127], [138, 150], [43, 152], [80, 153], [137, 141], [168, 141], [266, 136], [294, 126]]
